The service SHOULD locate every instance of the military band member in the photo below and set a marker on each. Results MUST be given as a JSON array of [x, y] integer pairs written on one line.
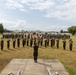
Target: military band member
[[8, 43], [45, 42], [23, 41], [13, 36], [51, 42], [2, 44], [57, 43], [31, 42], [70, 44], [14, 43], [18, 42], [35, 53], [64, 44], [34, 41], [27, 42], [41, 41]]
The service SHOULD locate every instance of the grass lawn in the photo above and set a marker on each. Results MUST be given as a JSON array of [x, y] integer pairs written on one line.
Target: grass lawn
[[66, 57]]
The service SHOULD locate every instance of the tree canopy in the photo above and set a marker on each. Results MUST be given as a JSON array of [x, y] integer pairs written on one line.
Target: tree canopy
[[1, 28], [72, 30]]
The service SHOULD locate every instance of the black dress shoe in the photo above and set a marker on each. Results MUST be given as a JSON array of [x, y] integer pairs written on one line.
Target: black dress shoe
[[35, 61]]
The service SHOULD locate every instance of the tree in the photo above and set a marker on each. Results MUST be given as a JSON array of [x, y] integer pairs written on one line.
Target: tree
[[61, 31], [1, 28], [72, 30]]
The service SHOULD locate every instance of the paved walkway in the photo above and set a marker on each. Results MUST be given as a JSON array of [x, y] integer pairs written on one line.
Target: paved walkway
[[28, 67]]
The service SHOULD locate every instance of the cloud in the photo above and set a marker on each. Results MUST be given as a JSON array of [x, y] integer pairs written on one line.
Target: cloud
[[7, 23], [57, 14], [59, 9], [18, 24], [24, 25], [56, 28], [42, 5], [14, 4], [63, 11]]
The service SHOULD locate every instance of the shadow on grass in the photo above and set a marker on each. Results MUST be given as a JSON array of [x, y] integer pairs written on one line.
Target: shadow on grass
[[12, 49], [71, 51], [5, 51], [18, 48], [48, 47]]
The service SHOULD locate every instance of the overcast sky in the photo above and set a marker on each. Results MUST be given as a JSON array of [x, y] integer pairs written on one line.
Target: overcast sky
[[46, 15]]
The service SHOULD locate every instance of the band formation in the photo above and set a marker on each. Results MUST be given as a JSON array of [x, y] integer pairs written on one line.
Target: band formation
[[30, 40]]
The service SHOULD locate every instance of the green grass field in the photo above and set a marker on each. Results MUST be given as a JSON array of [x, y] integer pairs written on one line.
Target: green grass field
[[66, 57]]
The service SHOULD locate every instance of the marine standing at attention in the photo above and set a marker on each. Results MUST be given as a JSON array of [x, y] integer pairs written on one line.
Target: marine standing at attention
[[2, 44], [64, 44], [8, 43], [70, 44], [57, 43]]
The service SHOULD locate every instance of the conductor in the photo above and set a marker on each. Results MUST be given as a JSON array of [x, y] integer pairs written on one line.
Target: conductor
[[35, 53]]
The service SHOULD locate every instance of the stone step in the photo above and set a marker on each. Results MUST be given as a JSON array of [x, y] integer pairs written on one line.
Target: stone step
[[29, 67]]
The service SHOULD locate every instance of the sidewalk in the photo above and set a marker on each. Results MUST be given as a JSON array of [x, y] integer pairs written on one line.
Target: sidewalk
[[28, 67]]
